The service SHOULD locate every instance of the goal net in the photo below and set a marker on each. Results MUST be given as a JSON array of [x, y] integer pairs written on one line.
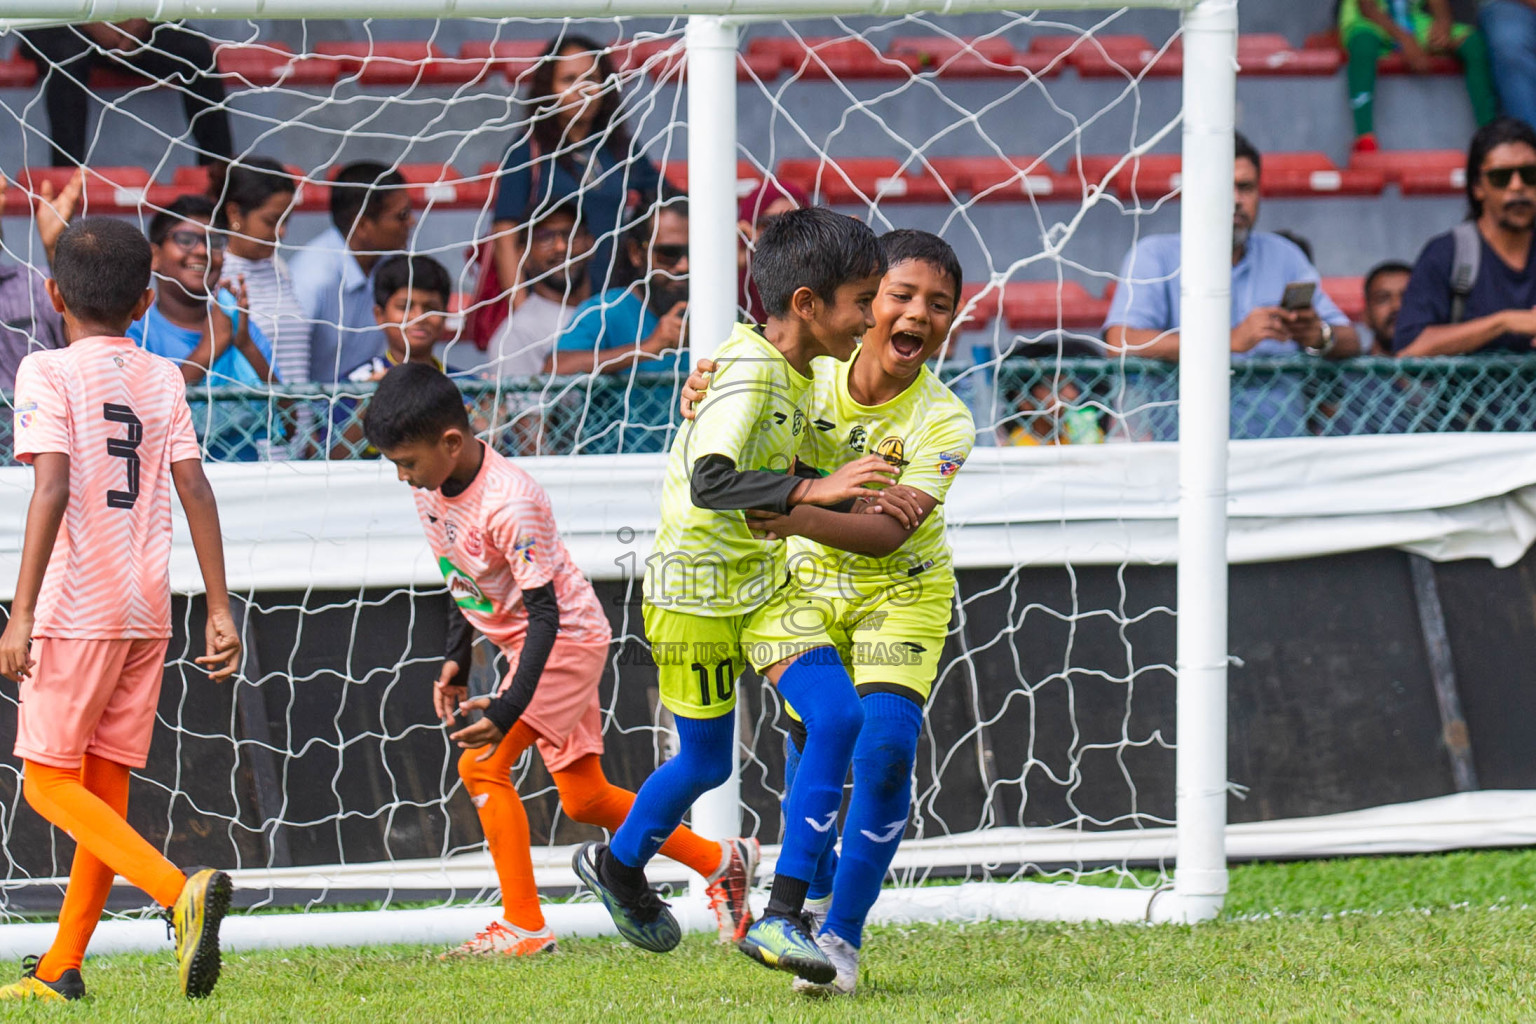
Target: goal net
[[1055, 733]]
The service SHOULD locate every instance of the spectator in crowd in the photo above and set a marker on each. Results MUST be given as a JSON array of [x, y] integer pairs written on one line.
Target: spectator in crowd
[[640, 325], [769, 199], [1050, 413], [556, 247], [1509, 26], [257, 194], [1496, 309], [578, 151], [371, 218], [173, 55], [410, 305], [1384, 288], [1419, 29], [1145, 314], [28, 320], [198, 322]]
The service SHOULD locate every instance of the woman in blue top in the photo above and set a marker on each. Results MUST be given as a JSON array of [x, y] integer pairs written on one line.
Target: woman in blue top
[[199, 323], [575, 152]]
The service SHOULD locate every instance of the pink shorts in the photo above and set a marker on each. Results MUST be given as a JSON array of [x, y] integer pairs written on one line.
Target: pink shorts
[[90, 697], [565, 710]]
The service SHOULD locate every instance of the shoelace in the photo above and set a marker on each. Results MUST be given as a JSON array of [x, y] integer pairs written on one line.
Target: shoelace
[[29, 965], [808, 925], [648, 905]]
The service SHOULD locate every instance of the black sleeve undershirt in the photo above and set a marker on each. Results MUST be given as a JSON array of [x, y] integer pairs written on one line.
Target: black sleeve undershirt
[[717, 484], [459, 645], [543, 626]]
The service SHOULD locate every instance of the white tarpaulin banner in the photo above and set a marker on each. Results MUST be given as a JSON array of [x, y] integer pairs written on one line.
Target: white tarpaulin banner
[[353, 524]]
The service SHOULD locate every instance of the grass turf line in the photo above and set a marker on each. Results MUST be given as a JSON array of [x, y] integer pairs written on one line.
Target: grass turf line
[[1412, 938]]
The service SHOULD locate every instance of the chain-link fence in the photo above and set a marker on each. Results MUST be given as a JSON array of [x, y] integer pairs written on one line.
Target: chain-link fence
[[1017, 401]]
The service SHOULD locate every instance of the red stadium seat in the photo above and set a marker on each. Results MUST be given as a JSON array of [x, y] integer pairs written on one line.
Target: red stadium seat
[[514, 58], [1391, 64], [989, 305], [1146, 177], [1310, 174], [107, 189], [988, 57], [1264, 53], [444, 188], [1348, 293], [825, 57], [1004, 178], [376, 62], [1109, 56], [861, 179], [748, 175], [261, 64], [17, 73], [1418, 172], [1046, 304]]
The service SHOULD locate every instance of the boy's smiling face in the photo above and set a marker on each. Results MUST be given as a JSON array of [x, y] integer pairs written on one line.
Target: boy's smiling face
[[413, 320], [838, 325], [914, 311]]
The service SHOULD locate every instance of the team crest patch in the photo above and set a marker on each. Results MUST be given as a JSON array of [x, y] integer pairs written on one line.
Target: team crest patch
[[120, 361], [471, 544], [858, 437], [523, 548], [950, 462], [26, 415], [894, 451]]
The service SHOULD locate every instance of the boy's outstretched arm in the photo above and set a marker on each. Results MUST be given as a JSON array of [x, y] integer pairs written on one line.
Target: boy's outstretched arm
[[877, 528], [196, 494], [50, 497]]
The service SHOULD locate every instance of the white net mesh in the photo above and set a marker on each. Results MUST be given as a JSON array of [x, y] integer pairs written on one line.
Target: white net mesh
[[1007, 135]]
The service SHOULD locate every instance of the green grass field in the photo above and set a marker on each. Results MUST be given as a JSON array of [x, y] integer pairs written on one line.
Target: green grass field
[[1435, 938]]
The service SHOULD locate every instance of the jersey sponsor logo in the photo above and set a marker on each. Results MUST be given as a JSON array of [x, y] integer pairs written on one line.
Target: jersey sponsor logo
[[819, 826], [892, 832], [950, 462], [893, 450], [26, 415], [799, 425], [858, 437], [466, 593], [523, 548], [825, 426]]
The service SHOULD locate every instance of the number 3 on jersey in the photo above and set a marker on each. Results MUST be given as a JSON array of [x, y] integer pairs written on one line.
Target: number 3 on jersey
[[127, 449]]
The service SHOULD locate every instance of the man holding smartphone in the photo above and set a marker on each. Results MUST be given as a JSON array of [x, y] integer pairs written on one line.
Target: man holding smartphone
[[1278, 310]]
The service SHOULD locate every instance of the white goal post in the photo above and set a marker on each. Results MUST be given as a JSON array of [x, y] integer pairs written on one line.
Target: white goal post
[[1209, 34]]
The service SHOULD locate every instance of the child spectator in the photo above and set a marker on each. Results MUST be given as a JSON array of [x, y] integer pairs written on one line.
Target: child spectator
[[410, 304], [256, 197]]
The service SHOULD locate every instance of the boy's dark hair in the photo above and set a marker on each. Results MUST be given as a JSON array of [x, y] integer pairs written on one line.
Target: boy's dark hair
[[414, 402], [101, 266], [359, 190], [1242, 148], [1385, 267], [812, 248], [253, 180], [422, 273], [905, 244], [1490, 136], [189, 207]]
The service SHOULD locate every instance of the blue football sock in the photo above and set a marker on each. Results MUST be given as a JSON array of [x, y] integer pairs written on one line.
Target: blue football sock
[[819, 688], [877, 811], [826, 867], [702, 762]]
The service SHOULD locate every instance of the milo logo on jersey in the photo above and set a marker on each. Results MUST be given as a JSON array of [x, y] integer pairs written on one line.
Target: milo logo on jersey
[[466, 593]]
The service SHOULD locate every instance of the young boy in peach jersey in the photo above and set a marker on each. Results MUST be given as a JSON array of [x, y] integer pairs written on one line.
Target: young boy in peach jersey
[[492, 530], [107, 430]]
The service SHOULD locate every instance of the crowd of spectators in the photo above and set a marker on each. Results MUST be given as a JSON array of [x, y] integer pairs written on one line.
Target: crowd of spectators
[[585, 272]]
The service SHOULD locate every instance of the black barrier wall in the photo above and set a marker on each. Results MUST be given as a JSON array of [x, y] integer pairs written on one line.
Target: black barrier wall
[[1048, 711]]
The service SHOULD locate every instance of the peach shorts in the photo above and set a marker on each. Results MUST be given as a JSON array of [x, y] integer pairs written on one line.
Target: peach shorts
[[90, 697], [565, 711]]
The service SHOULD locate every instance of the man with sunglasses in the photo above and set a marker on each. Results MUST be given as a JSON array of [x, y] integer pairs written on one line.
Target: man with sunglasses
[[1494, 311]]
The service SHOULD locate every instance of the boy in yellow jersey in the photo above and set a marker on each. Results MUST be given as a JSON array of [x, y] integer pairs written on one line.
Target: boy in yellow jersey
[[887, 612], [817, 272]]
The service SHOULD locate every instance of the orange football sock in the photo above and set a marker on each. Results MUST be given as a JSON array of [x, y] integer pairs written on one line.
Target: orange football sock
[[62, 796], [505, 823], [90, 880], [588, 797]]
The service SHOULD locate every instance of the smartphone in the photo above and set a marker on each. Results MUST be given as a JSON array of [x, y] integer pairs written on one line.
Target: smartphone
[[1298, 295]]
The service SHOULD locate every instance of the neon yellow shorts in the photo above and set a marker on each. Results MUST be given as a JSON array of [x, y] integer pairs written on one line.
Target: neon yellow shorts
[[891, 636], [698, 660]]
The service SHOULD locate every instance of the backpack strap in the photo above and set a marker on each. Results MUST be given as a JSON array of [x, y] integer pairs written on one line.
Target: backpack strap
[[1464, 266]]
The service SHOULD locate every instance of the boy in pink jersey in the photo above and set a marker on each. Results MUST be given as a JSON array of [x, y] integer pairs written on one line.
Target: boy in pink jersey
[[107, 430], [509, 575]]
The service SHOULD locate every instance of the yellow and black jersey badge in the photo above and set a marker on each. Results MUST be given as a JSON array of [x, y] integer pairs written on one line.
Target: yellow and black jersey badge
[[893, 450]]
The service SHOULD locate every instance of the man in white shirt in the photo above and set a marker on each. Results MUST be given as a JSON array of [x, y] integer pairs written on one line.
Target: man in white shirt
[[556, 249]]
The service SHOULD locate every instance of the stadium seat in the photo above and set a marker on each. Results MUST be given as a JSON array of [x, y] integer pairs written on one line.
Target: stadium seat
[[1047, 304], [444, 188], [950, 57], [1348, 293], [107, 189], [17, 73], [1109, 56], [1418, 172], [1004, 178], [748, 175], [857, 180], [1266, 53], [989, 305], [1146, 177], [837, 57], [376, 62], [1391, 64], [513, 58], [263, 64], [1310, 174]]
